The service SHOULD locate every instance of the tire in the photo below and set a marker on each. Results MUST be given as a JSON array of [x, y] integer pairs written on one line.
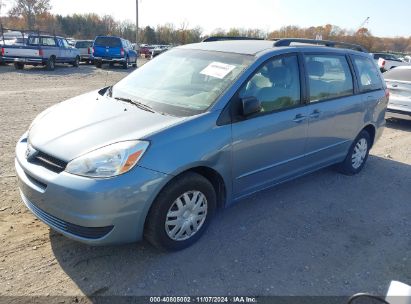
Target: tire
[[99, 64], [158, 233], [51, 64], [357, 155], [76, 62], [126, 64], [18, 66], [135, 64]]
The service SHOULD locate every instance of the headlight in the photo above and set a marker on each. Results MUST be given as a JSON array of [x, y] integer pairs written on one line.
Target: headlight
[[108, 161]]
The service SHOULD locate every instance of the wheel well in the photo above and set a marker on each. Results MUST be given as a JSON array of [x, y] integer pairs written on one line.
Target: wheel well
[[215, 179], [371, 131]]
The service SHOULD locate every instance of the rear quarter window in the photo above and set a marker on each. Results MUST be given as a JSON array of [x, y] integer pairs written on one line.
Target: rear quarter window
[[368, 74], [108, 41]]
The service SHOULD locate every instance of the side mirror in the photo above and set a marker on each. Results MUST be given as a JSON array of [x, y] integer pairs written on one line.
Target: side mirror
[[250, 105]]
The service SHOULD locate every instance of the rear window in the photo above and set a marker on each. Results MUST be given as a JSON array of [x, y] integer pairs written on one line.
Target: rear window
[[368, 73], [83, 44], [398, 74], [108, 41]]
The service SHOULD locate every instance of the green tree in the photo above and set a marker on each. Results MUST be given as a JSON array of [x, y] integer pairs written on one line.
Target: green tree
[[30, 10]]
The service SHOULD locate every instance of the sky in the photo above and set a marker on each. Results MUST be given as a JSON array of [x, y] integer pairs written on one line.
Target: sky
[[385, 21]]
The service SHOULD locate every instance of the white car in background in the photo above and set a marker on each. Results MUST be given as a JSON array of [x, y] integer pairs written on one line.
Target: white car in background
[[387, 61], [398, 81]]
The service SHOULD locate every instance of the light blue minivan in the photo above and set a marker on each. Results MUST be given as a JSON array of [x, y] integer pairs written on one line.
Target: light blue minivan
[[194, 130]]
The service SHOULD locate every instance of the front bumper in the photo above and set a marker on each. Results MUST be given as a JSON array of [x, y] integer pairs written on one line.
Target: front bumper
[[86, 57], [92, 211]]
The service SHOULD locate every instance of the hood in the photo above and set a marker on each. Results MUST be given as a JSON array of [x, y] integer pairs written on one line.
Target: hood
[[90, 121]]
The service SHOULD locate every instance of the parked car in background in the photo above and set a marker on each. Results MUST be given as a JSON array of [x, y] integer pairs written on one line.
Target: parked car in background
[[43, 50], [146, 51], [113, 50], [196, 129], [86, 50], [158, 49], [387, 61], [398, 81]]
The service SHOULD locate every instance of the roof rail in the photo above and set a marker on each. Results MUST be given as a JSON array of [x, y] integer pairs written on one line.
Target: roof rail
[[288, 41], [222, 38]]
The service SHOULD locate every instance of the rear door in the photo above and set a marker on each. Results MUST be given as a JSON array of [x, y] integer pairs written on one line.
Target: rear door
[[269, 146], [334, 112]]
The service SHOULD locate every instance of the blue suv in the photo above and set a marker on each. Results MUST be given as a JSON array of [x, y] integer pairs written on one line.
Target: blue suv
[[110, 49], [194, 130]]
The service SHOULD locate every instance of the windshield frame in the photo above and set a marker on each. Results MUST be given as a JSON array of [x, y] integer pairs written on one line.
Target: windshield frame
[[186, 111]]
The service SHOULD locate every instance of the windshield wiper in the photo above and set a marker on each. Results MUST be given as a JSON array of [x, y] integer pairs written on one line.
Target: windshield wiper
[[136, 103]]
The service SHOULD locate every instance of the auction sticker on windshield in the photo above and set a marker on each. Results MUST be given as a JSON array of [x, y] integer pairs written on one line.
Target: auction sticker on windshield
[[218, 70]]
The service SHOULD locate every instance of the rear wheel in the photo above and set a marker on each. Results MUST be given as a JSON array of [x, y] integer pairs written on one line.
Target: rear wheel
[[181, 212], [357, 155], [126, 63], [18, 65], [51, 63]]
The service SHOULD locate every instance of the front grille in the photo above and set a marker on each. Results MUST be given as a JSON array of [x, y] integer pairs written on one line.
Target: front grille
[[49, 162], [54, 222]]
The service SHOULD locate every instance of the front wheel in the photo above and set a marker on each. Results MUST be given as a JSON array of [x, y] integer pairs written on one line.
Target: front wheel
[[357, 155], [181, 212], [51, 64]]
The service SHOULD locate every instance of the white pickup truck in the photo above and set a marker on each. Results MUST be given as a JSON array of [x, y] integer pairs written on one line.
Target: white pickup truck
[[41, 50], [387, 61]]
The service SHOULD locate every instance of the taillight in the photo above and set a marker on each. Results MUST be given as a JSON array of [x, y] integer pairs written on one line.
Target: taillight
[[93, 50], [2, 51], [387, 93], [41, 53], [88, 51], [122, 52], [383, 63]]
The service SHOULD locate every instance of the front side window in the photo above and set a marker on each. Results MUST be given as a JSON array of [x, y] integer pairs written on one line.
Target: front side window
[[369, 75], [329, 77], [276, 84], [65, 43], [183, 82]]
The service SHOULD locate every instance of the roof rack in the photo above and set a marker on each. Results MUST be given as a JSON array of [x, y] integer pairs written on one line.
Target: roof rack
[[288, 41], [223, 38]]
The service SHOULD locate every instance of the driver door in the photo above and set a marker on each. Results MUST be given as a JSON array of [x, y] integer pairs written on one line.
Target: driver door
[[269, 146]]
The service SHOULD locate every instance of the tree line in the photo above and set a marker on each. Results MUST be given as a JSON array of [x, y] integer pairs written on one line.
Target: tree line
[[35, 15]]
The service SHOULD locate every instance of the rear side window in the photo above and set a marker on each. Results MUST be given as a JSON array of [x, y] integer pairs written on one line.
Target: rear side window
[[329, 77], [398, 74], [369, 76], [108, 41]]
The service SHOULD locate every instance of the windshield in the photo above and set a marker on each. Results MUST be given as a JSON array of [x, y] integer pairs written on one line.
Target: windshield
[[182, 82]]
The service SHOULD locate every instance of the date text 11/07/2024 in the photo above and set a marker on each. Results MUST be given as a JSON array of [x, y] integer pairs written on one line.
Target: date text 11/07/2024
[[233, 299]]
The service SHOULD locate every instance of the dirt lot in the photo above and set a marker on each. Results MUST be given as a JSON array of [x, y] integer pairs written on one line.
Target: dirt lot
[[323, 234]]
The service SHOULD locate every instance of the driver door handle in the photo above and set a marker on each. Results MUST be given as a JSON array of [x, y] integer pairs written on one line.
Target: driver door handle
[[299, 118]]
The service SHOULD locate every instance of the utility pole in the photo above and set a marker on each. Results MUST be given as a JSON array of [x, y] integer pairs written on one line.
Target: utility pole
[[137, 46]]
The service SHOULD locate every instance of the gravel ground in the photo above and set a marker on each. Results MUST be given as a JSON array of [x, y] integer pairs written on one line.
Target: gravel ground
[[323, 234]]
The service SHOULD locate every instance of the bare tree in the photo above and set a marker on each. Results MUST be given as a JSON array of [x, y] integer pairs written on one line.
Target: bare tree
[[29, 10]]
